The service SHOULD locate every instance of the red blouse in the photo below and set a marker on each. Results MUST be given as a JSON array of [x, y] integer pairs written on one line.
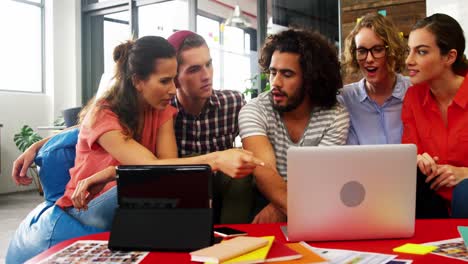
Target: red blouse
[[423, 125]]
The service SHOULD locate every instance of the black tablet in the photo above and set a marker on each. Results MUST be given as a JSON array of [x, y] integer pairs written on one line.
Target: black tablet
[[163, 208], [164, 186]]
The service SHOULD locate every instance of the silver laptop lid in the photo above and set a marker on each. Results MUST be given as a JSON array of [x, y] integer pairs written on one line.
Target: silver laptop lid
[[351, 192]]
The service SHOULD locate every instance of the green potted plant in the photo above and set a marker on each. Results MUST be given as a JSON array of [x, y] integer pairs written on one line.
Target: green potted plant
[[23, 140], [251, 88]]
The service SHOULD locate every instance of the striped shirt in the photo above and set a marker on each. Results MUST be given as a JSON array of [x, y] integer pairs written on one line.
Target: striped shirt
[[325, 128], [214, 129]]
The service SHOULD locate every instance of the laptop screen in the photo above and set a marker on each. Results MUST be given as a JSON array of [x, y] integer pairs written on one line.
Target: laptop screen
[[164, 186]]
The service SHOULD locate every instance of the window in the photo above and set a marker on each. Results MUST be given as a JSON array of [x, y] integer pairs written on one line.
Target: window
[[116, 31], [160, 19], [236, 59], [230, 51], [107, 23], [210, 31], [103, 30], [21, 67]]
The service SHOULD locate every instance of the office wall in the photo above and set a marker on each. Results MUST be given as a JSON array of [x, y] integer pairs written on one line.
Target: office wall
[[455, 8], [63, 85], [403, 13], [66, 50]]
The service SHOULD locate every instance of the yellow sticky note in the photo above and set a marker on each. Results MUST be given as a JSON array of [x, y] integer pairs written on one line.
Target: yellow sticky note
[[414, 249]]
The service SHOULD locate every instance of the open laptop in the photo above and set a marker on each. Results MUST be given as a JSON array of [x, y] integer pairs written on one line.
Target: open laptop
[[164, 207], [351, 192]]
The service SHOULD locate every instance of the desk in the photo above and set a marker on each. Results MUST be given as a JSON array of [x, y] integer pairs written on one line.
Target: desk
[[426, 231]]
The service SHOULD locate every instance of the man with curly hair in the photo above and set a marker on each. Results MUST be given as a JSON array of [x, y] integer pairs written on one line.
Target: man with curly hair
[[375, 48], [301, 109]]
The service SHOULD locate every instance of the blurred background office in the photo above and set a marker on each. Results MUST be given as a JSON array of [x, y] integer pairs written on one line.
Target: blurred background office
[[55, 52]]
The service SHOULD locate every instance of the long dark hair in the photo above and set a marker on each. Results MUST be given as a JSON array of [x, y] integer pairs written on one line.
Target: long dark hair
[[318, 60], [449, 35], [134, 59]]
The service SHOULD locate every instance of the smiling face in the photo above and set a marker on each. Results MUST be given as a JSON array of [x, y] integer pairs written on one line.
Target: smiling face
[[159, 88], [374, 70], [424, 61], [286, 81], [195, 75]]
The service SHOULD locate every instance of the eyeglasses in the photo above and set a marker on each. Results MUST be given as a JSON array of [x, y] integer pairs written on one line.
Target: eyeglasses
[[377, 52]]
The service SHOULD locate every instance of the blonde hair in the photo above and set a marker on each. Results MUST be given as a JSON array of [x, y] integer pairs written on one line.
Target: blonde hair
[[386, 30]]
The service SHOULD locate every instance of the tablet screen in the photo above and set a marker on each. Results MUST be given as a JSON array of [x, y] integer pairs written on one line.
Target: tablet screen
[[164, 186]]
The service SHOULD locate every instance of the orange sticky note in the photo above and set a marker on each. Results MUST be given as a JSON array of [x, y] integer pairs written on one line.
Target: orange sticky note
[[418, 249], [308, 256]]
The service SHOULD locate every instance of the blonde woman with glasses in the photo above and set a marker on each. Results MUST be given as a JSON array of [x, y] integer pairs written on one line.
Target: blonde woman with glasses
[[376, 50]]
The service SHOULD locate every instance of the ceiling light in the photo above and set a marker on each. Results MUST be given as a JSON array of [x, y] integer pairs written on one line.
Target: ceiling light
[[237, 19]]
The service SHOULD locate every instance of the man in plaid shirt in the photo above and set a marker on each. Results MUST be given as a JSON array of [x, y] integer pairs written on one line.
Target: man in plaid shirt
[[207, 119]]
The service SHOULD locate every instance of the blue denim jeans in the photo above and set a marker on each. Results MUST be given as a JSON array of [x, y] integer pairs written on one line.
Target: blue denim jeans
[[100, 211], [460, 200]]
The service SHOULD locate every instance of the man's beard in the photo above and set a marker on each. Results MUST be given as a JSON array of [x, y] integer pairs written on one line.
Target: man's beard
[[293, 101]]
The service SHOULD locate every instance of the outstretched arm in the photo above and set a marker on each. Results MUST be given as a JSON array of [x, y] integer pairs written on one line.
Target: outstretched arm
[[268, 180], [233, 162], [127, 151]]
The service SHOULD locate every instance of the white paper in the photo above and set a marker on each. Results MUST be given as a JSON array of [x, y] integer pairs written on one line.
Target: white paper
[[349, 256]]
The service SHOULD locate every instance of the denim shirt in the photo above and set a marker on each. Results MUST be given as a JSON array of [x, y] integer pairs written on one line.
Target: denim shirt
[[370, 122]]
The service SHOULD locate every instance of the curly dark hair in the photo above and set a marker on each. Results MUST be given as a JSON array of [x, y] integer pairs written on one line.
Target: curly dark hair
[[321, 76]]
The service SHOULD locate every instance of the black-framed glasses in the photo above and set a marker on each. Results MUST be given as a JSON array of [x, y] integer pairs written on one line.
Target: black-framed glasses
[[378, 51]]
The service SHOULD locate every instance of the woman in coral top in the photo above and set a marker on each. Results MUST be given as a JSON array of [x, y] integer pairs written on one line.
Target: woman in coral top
[[435, 115], [132, 124]]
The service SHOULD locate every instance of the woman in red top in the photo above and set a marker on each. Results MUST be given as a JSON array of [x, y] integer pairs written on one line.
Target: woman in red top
[[132, 124], [435, 114]]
